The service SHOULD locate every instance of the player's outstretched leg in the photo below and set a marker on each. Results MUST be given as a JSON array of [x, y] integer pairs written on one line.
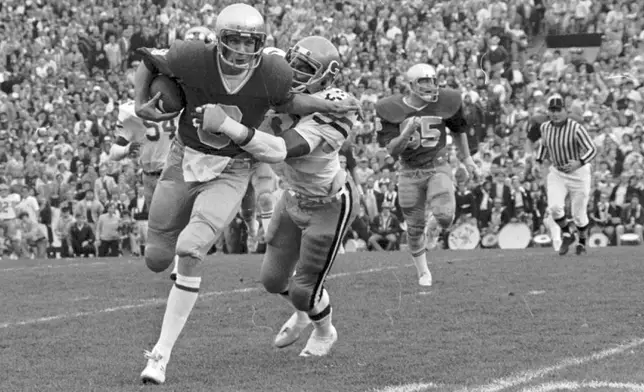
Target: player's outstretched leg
[[169, 213], [579, 198], [206, 223], [282, 253], [412, 195], [556, 189], [321, 240]]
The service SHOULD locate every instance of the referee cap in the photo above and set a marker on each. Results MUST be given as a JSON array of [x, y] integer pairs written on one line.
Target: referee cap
[[555, 102]]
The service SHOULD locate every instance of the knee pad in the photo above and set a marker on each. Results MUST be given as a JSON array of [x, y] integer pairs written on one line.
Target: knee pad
[[445, 220], [557, 212], [158, 257], [273, 284], [195, 240], [444, 214], [265, 202], [416, 238]]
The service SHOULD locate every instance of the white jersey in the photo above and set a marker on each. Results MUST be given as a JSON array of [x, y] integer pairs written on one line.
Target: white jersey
[[317, 174], [7, 206], [155, 141]]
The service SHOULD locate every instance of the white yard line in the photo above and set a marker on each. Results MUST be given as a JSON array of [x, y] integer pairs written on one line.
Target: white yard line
[[487, 255], [158, 301], [519, 379], [585, 386]]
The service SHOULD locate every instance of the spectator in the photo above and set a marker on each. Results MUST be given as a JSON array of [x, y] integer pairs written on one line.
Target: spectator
[[63, 231], [385, 229], [81, 237], [107, 233], [34, 236]]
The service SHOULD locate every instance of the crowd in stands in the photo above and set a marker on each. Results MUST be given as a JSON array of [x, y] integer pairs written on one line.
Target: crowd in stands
[[65, 67]]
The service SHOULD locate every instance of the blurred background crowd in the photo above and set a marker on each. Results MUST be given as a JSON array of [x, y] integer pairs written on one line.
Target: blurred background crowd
[[66, 65]]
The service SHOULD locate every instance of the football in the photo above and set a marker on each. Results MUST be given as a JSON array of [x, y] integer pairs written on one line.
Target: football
[[172, 98]]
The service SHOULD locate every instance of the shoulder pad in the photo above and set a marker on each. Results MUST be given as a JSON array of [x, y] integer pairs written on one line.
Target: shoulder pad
[[449, 101], [276, 75], [126, 110], [391, 109]]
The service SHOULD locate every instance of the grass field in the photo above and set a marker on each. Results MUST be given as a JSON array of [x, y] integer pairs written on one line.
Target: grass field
[[525, 321]]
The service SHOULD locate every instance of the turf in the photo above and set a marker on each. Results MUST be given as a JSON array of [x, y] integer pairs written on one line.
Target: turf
[[491, 318]]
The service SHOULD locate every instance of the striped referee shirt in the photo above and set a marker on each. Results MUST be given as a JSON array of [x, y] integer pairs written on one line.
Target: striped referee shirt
[[565, 143]]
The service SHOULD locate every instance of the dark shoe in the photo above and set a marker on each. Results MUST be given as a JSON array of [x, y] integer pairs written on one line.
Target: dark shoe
[[581, 249], [567, 240]]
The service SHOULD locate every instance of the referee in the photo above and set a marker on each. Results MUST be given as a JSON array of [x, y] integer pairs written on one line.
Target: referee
[[569, 148]]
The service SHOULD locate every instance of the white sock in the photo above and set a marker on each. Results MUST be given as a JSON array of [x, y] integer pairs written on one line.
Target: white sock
[[320, 315], [181, 300], [420, 260], [266, 220]]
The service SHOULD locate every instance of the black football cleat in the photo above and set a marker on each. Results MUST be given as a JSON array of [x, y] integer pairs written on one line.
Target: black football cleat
[[581, 249], [567, 240]]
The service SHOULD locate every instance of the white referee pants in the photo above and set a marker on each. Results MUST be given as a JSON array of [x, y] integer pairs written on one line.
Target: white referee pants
[[575, 184]]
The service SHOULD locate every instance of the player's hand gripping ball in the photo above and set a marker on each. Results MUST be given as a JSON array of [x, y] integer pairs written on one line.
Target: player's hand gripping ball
[[172, 99], [161, 86]]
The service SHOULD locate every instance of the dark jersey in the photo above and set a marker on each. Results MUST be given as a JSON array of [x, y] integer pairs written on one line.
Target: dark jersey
[[194, 64], [430, 140]]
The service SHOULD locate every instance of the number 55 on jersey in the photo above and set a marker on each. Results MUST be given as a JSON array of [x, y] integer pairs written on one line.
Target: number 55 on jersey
[[430, 137]]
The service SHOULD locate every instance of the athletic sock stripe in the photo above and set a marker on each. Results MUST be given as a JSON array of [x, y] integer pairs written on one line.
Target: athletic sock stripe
[[419, 253], [325, 312], [346, 207], [186, 288]]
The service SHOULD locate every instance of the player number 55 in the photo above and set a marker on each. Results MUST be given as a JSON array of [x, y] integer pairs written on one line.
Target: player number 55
[[428, 135]]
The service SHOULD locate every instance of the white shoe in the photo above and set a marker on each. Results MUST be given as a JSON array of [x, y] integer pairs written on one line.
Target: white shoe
[[319, 345], [425, 279], [292, 329], [175, 269], [154, 372]]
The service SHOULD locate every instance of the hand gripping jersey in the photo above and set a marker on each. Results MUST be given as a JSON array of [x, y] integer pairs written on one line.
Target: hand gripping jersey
[[154, 139], [194, 64], [429, 142], [317, 174]]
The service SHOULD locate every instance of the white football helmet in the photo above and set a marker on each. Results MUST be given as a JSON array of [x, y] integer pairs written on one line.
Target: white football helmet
[[273, 50], [422, 82], [315, 62], [235, 25]]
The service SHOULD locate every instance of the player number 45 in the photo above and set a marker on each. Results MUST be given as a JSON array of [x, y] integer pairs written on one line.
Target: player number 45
[[429, 133]]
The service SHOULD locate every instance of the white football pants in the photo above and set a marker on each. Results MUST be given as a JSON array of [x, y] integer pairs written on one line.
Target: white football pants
[[577, 184]]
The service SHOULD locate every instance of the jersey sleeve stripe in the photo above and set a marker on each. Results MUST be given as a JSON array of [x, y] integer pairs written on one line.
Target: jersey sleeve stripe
[[329, 118], [342, 128], [587, 144]]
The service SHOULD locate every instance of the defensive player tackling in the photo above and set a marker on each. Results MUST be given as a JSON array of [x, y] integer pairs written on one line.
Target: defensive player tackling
[[203, 166], [414, 127], [312, 217]]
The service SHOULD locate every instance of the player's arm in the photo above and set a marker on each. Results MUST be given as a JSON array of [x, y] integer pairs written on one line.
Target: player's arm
[[390, 137], [534, 134], [458, 126], [284, 100], [304, 104], [170, 62], [122, 146], [261, 145], [586, 144]]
